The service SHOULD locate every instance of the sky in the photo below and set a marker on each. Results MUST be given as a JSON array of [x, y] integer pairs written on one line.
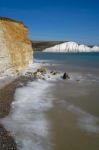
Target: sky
[[65, 20]]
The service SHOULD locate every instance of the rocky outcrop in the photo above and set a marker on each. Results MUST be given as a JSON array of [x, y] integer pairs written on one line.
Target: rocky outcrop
[[65, 76], [15, 47], [72, 47]]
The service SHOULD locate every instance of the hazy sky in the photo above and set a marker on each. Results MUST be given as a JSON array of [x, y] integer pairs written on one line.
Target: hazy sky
[[76, 20]]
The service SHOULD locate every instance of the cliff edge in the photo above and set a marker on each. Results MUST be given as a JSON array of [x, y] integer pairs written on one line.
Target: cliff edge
[[15, 47]]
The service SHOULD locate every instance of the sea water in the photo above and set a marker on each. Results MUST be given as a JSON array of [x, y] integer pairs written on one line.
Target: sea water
[[58, 114], [75, 113], [89, 59]]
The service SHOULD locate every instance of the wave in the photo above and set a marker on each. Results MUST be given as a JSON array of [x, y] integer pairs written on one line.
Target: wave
[[86, 121], [27, 120]]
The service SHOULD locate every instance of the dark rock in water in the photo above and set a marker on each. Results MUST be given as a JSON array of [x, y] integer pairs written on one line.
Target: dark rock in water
[[43, 78], [29, 74], [54, 72], [48, 76], [39, 74], [78, 80], [65, 76], [42, 70]]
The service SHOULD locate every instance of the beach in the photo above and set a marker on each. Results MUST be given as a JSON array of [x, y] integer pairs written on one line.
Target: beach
[[52, 113], [6, 97]]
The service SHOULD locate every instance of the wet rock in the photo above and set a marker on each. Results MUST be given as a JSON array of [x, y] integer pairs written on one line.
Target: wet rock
[[42, 70], [48, 76], [43, 78], [78, 80], [65, 76], [54, 72], [38, 75], [29, 74]]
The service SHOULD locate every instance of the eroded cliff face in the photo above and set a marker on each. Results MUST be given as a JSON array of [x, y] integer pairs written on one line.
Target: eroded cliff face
[[15, 47]]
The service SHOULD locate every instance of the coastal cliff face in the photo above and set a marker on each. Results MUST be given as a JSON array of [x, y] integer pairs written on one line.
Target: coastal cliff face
[[15, 48], [72, 47]]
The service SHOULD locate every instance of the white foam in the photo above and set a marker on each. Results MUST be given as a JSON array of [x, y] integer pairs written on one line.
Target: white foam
[[31, 68], [51, 77], [85, 78], [76, 76], [86, 121], [27, 120]]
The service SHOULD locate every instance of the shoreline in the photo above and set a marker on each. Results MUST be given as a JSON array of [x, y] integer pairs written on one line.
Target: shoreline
[[6, 98]]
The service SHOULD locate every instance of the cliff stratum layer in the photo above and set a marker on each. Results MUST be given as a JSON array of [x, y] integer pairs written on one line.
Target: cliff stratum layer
[[15, 47], [72, 47]]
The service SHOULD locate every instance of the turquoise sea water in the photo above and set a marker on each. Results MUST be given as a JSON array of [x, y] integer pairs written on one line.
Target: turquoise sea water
[[79, 59]]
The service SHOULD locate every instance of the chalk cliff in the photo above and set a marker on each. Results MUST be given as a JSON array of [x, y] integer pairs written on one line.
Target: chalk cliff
[[15, 46], [72, 47]]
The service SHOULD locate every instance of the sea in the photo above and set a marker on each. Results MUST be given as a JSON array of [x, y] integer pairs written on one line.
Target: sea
[[58, 114]]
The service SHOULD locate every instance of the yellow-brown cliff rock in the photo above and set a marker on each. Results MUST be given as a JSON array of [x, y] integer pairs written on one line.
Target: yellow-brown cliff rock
[[15, 47]]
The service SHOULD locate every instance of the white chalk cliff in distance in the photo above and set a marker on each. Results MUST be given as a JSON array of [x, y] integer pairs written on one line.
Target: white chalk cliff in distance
[[72, 47]]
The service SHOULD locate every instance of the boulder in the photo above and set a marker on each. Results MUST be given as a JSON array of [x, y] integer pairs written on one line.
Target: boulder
[[38, 75], [41, 70], [65, 76], [54, 72]]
